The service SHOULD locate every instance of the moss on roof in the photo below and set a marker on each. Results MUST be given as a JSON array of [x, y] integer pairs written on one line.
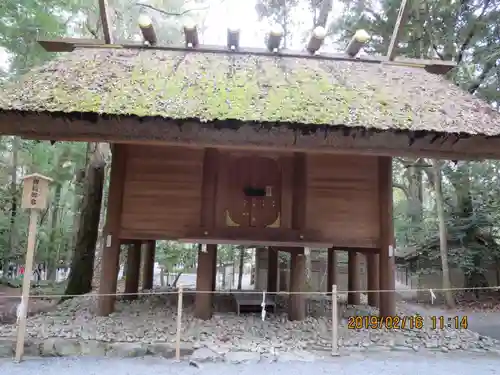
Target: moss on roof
[[250, 88]]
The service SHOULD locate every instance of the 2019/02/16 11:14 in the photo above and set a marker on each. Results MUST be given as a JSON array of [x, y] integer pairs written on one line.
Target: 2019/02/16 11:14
[[450, 322]]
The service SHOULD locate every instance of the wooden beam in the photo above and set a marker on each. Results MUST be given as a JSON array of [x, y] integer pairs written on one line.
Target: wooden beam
[[297, 302], [331, 271], [111, 253], [281, 244], [66, 44], [396, 34], [272, 269], [256, 234], [132, 271], [365, 250], [204, 282], [105, 17], [148, 257], [327, 140], [432, 66], [373, 279], [353, 279], [386, 255], [209, 187], [299, 193]]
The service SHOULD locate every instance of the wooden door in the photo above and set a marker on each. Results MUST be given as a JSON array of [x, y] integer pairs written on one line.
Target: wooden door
[[238, 204], [265, 209]]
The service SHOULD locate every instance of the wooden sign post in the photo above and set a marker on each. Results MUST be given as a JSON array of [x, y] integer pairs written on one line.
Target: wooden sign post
[[35, 192]]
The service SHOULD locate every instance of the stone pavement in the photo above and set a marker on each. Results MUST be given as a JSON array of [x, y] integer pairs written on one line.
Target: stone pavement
[[148, 326], [368, 364]]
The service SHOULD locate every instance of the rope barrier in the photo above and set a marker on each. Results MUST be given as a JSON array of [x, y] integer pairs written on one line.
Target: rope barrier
[[180, 291], [259, 292]]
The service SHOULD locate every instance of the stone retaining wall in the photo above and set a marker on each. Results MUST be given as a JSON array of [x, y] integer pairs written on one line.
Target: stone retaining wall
[[64, 347]]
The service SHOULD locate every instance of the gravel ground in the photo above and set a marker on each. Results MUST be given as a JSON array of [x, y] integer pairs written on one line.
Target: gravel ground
[[366, 365]]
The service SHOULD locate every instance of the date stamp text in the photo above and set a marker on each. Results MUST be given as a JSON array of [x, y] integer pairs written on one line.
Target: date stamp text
[[407, 322]]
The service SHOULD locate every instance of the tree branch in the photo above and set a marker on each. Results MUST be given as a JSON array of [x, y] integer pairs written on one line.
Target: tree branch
[[93, 32], [324, 11], [475, 84], [471, 33], [164, 12]]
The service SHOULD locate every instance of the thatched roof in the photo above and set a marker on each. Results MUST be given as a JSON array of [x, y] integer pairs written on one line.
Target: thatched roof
[[250, 88]]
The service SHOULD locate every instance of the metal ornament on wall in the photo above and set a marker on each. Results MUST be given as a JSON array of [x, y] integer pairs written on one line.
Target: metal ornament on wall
[[277, 222], [229, 221]]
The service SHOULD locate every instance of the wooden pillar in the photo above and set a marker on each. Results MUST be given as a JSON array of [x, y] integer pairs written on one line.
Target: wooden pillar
[[373, 279], [297, 302], [272, 270], [208, 192], [331, 272], [132, 270], [204, 282], [386, 257], [353, 279], [148, 261], [111, 252]]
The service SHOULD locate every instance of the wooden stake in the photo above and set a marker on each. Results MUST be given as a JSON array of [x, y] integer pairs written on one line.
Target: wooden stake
[[402, 15], [28, 271], [179, 326], [105, 21], [335, 323]]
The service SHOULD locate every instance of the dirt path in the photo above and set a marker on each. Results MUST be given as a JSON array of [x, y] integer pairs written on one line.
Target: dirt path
[[10, 298]]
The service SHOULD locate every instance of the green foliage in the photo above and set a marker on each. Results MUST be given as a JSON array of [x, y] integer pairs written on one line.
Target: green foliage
[[60, 162], [468, 33]]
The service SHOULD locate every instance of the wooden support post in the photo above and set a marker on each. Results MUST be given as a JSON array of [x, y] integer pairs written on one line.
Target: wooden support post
[[111, 252], [297, 305], [28, 271], [208, 200], [204, 281], [335, 322], [132, 270], [272, 270], [331, 272], [353, 277], [179, 324], [386, 257], [148, 264], [373, 279], [34, 198]]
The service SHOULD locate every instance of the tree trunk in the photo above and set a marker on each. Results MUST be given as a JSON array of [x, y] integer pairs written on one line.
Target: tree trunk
[[82, 265], [53, 256], [461, 181], [443, 237], [162, 277], [77, 204], [12, 244], [321, 18], [224, 276], [240, 268], [176, 280]]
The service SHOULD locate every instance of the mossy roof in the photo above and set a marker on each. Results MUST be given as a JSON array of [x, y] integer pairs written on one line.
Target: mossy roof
[[250, 88]]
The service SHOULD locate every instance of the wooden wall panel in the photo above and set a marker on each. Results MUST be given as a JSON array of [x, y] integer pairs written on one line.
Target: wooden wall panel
[[162, 196], [342, 193]]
